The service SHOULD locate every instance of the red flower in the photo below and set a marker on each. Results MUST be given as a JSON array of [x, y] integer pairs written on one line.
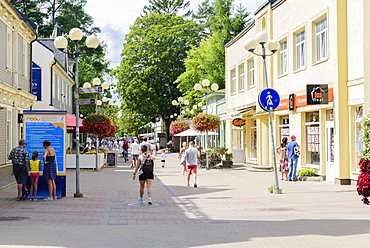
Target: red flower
[[178, 127]]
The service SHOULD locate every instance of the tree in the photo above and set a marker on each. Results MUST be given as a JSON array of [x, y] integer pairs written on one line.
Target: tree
[[152, 58], [166, 7], [208, 60], [30, 9]]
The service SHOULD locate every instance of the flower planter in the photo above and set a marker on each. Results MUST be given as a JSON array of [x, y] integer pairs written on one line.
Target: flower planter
[[227, 164], [87, 161]]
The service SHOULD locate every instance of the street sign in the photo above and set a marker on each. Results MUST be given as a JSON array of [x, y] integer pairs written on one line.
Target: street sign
[[269, 99], [98, 89], [87, 101]]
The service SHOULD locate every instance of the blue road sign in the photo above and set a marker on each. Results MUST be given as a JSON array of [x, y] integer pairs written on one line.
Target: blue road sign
[[87, 101], [98, 89], [269, 99]]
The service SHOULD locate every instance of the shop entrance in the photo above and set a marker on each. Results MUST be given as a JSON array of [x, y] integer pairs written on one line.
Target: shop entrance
[[238, 145], [330, 168]]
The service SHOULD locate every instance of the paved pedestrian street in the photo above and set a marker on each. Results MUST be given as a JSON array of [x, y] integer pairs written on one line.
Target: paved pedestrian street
[[230, 208]]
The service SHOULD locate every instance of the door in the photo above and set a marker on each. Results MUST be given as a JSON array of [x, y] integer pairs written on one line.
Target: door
[[330, 156], [238, 146]]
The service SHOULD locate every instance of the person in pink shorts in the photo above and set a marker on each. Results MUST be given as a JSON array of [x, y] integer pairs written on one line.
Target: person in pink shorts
[[35, 166]]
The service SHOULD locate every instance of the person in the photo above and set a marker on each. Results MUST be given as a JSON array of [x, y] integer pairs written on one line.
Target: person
[[125, 149], [50, 170], [293, 159], [196, 141], [169, 145], [145, 177], [35, 166], [145, 143], [181, 157], [191, 155], [153, 150], [19, 157], [283, 153], [163, 158], [134, 152]]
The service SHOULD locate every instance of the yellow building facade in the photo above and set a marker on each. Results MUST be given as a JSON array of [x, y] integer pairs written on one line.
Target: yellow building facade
[[319, 72]]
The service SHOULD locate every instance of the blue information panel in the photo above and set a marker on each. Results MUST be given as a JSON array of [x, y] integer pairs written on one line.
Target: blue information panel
[[269, 99], [36, 81], [87, 101], [98, 89], [46, 125]]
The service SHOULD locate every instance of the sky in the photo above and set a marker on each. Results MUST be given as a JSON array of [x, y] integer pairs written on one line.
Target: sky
[[114, 18]]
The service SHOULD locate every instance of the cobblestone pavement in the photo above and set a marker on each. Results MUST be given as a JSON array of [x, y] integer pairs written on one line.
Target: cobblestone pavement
[[230, 208]]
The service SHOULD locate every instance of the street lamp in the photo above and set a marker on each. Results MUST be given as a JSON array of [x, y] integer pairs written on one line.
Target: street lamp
[[61, 44], [273, 45]]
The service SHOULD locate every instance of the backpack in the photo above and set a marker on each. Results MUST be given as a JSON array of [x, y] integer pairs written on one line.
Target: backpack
[[297, 152], [147, 166]]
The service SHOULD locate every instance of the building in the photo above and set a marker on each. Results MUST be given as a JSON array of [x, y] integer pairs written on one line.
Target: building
[[17, 33], [319, 73]]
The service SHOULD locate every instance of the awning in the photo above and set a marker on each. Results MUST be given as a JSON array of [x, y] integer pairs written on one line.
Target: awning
[[71, 124], [192, 132], [244, 111]]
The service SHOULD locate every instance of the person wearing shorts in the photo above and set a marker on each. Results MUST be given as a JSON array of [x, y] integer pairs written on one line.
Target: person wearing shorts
[[134, 153], [144, 178], [191, 155]]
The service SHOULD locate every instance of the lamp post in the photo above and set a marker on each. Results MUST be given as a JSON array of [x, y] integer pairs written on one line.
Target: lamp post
[[61, 43], [180, 101], [272, 45], [198, 87]]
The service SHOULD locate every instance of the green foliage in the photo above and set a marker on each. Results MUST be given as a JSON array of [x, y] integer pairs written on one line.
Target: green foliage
[[306, 172], [228, 156], [152, 58], [271, 188], [166, 7], [366, 137]]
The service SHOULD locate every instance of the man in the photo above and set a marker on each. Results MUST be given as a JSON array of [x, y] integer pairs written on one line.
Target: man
[[147, 144], [134, 152], [125, 149], [293, 159], [19, 157], [191, 155]]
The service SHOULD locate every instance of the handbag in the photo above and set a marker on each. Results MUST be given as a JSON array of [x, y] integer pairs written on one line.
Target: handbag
[[297, 152]]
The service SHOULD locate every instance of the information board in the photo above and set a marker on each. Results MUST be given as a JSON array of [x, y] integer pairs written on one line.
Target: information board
[[112, 159], [46, 125]]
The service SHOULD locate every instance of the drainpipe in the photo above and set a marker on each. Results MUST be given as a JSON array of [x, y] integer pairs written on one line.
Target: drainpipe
[[51, 81]]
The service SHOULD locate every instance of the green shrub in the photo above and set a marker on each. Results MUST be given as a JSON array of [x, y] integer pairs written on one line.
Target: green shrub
[[306, 172], [271, 188]]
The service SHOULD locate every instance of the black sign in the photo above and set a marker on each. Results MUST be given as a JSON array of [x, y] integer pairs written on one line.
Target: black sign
[[291, 102], [112, 158], [20, 118], [317, 94]]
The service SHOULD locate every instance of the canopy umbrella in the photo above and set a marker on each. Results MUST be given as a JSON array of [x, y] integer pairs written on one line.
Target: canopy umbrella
[[192, 132]]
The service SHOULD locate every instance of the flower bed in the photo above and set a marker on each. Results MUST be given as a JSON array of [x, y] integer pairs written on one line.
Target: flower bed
[[363, 183]]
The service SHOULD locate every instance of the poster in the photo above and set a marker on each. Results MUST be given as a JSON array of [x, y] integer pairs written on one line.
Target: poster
[[313, 138], [46, 125]]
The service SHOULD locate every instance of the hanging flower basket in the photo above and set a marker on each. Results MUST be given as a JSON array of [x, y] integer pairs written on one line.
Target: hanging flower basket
[[112, 131], [97, 124], [204, 122], [363, 183], [178, 127]]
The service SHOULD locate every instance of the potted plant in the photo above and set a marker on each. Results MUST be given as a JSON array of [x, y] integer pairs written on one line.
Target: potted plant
[[178, 127], [228, 162], [204, 122], [363, 183]]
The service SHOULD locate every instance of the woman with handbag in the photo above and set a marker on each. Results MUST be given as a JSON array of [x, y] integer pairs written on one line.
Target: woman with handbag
[[50, 170], [284, 154]]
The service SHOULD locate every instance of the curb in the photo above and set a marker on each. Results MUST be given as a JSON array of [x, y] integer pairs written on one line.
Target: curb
[[311, 179]]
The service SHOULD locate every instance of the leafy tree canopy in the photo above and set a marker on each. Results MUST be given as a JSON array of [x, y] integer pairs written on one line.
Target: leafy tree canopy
[[152, 59], [166, 7]]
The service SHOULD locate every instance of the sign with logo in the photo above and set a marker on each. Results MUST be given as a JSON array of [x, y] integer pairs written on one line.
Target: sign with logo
[[238, 122], [269, 99], [291, 102], [317, 94], [98, 89], [87, 101], [36, 81], [20, 118]]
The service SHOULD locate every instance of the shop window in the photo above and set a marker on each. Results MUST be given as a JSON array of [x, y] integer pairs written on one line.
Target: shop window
[[359, 144], [284, 127], [253, 137], [313, 116], [9, 132], [330, 115], [313, 144]]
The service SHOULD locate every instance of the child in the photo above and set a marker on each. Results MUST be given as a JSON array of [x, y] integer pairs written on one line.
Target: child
[[35, 167], [163, 158]]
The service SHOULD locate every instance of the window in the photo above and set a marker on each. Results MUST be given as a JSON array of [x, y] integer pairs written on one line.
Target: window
[[313, 156], [233, 81], [241, 77], [25, 58], [359, 132], [321, 39], [253, 138], [283, 58], [300, 49], [9, 132], [251, 73], [9, 49]]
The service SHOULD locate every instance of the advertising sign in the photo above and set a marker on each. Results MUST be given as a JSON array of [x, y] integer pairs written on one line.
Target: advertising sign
[[36, 81], [291, 102], [269, 99], [238, 122], [46, 125], [317, 94]]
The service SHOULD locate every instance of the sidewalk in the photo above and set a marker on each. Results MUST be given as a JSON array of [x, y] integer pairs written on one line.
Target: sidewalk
[[230, 208]]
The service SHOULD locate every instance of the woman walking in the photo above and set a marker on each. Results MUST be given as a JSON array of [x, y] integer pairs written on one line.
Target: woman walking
[[283, 152], [181, 157], [50, 170], [145, 166]]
